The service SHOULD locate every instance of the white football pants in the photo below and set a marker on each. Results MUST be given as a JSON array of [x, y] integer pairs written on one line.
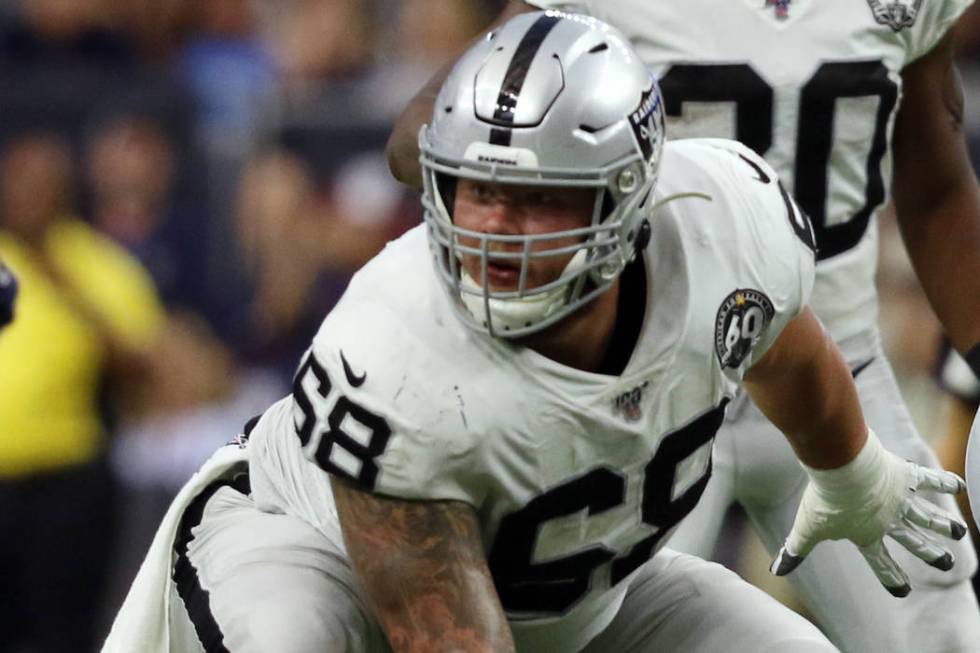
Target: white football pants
[[250, 581]]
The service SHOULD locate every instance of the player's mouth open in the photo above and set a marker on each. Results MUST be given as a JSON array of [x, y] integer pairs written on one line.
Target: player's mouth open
[[503, 273]]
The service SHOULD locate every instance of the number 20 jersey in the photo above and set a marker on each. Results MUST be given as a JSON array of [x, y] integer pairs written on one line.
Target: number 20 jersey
[[576, 477], [814, 87]]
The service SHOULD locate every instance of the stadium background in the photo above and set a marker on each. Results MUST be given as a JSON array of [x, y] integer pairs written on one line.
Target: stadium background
[[235, 147]]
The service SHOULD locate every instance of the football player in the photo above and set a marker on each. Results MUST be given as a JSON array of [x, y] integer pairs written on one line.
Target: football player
[[513, 405], [8, 295], [837, 96]]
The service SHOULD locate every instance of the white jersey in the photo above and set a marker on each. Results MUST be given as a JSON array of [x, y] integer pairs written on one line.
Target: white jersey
[[813, 86], [576, 477]]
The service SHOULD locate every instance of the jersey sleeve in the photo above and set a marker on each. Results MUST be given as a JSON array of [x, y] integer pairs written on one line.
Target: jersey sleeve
[[934, 20], [367, 407], [794, 289], [778, 242]]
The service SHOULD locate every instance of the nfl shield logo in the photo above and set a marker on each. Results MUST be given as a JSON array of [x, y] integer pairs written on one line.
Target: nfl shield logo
[[628, 404], [782, 8], [898, 14]]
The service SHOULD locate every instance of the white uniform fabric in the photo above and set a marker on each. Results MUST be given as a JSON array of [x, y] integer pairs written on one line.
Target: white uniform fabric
[[446, 414], [277, 584], [274, 583], [816, 93], [577, 478], [143, 623]]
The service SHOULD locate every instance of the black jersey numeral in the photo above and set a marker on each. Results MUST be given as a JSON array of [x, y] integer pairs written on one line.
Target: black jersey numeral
[[818, 112], [336, 440], [737, 83], [660, 508], [799, 220], [307, 413], [552, 586], [529, 585]]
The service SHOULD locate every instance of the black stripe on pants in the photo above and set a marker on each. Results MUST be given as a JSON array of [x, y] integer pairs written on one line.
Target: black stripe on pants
[[196, 599]]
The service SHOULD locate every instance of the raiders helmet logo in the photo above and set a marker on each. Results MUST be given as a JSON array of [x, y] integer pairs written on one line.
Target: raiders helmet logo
[[647, 121], [742, 318], [898, 14]]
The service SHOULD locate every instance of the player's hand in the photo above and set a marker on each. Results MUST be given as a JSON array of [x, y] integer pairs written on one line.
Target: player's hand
[[8, 293], [873, 496]]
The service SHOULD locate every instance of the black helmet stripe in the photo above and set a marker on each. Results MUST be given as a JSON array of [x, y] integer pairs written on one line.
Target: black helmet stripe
[[510, 89]]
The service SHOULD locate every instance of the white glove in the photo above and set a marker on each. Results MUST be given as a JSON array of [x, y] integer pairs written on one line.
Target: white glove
[[872, 496]]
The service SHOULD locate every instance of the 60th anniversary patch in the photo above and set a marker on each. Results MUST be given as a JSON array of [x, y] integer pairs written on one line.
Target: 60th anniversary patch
[[742, 318]]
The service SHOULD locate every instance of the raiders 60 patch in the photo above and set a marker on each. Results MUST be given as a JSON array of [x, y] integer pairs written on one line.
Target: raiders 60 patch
[[742, 318]]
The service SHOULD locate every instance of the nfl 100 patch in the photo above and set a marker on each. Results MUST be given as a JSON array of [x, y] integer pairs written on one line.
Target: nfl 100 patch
[[897, 14], [741, 320], [629, 404], [781, 6]]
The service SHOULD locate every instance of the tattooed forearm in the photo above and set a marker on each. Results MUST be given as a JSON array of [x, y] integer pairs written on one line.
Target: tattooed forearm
[[423, 566]]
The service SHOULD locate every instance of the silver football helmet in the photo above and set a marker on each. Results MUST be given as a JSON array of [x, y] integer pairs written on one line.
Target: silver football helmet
[[550, 99]]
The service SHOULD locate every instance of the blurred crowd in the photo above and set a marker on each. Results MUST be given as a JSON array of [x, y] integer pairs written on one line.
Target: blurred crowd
[[185, 189]]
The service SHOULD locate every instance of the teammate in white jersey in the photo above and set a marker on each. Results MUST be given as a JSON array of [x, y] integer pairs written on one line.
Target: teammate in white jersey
[[846, 99], [512, 407]]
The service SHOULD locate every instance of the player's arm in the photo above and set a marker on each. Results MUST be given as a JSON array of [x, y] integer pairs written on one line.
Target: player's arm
[[403, 147], [858, 490], [425, 572], [804, 387], [936, 195]]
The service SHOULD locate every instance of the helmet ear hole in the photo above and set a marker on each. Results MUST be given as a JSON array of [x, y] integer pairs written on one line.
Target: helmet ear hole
[[642, 236]]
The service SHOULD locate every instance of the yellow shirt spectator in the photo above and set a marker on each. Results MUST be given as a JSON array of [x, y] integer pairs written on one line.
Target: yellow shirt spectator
[[51, 358]]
